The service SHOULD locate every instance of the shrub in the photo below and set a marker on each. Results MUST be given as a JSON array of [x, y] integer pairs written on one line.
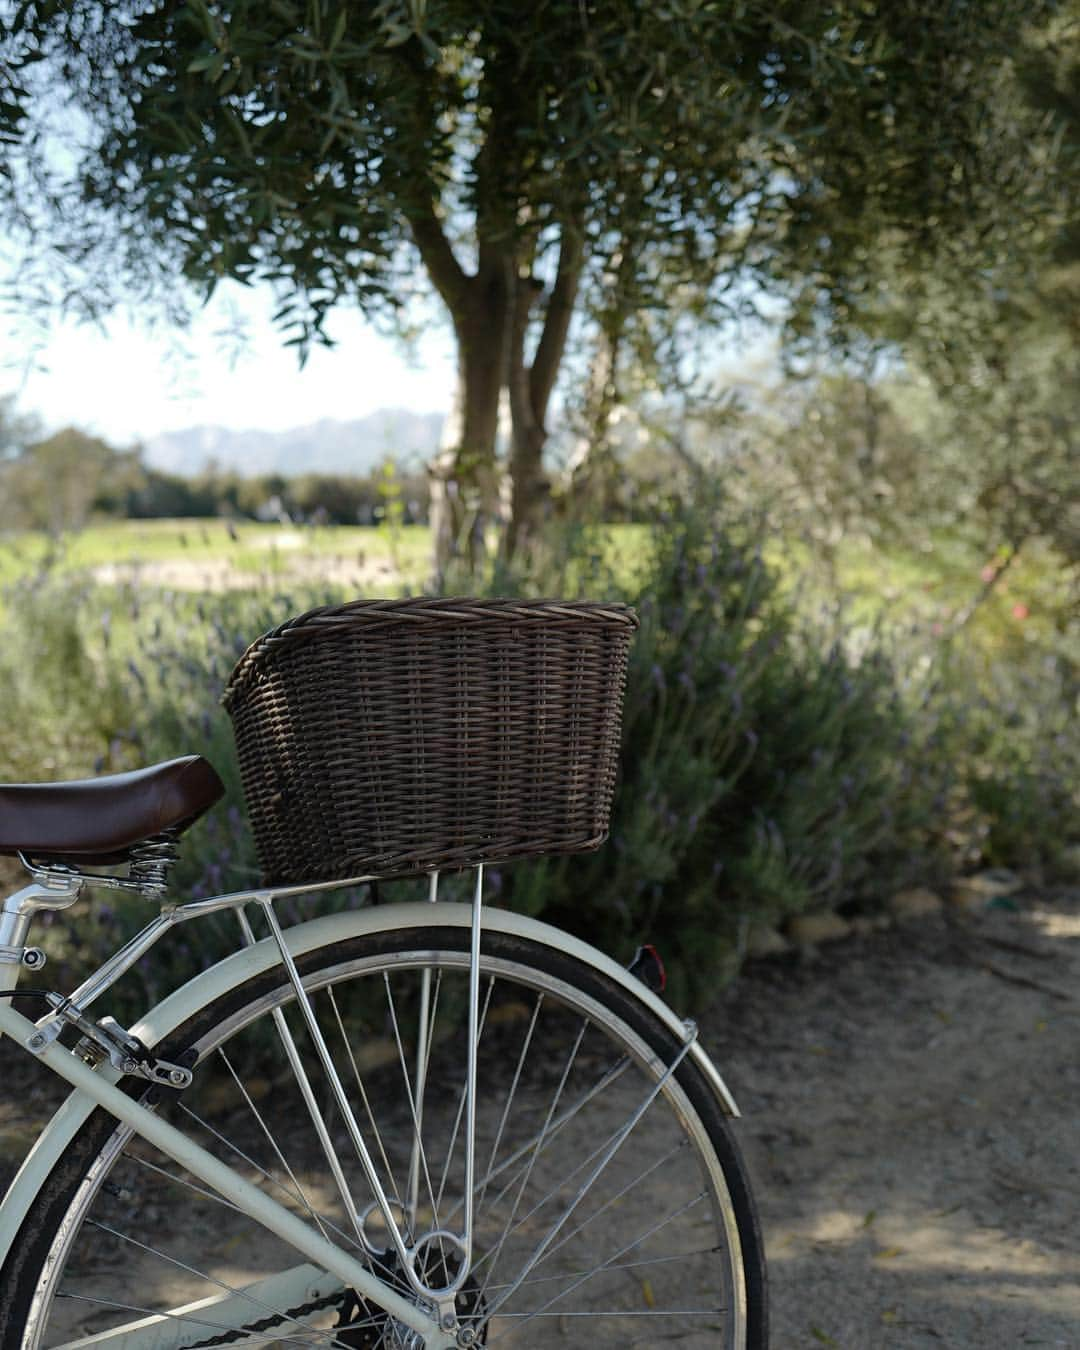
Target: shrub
[[764, 767], [1011, 731], [97, 680], [68, 705], [773, 760]]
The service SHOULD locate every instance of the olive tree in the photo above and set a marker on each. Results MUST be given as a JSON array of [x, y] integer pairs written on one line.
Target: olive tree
[[549, 170]]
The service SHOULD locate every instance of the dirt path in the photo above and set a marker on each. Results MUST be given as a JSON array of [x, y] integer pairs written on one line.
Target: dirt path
[[911, 1117], [359, 573]]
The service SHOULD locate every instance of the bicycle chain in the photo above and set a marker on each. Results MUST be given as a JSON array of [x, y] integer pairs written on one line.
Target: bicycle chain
[[241, 1333]]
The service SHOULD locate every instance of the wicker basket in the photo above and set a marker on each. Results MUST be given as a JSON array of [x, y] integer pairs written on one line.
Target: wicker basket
[[385, 737]]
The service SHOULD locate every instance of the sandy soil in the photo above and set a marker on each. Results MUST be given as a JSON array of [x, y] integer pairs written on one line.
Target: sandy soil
[[910, 1105], [910, 1116], [185, 574]]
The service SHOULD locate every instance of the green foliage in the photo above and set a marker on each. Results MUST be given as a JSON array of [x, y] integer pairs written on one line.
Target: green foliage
[[56, 483], [775, 758], [621, 171], [970, 457], [391, 511], [67, 703], [961, 416], [1010, 726], [765, 769], [999, 158], [306, 142], [95, 680], [60, 483]]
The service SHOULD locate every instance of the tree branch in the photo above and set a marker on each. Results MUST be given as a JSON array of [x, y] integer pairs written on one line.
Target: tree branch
[[517, 374], [998, 570], [447, 275], [560, 310]]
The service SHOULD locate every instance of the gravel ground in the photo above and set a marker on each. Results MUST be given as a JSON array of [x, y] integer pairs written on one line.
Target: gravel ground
[[910, 1116]]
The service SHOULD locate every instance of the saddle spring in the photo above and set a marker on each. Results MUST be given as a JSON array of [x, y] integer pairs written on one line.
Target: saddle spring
[[150, 861], [148, 864]]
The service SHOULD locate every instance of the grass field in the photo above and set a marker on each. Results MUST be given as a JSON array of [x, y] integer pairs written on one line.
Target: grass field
[[209, 554], [241, 546], [895, 589], [938, 592]]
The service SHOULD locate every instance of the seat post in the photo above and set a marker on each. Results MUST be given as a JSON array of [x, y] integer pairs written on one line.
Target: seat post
[[46, 891]]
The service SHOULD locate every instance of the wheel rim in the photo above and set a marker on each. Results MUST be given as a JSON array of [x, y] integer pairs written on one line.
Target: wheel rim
[[651, 1250]]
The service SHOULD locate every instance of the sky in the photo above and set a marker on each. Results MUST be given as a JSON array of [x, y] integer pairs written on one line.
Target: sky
[[128, 384]]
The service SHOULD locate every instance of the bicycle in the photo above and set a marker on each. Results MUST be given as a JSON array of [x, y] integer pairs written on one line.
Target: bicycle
[[412, 1124]]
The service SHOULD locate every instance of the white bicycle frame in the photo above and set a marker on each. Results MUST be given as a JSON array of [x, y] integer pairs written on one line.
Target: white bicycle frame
[[327, 1266]]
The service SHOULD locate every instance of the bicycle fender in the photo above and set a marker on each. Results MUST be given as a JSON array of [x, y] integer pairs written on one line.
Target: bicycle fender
[[251, 962]]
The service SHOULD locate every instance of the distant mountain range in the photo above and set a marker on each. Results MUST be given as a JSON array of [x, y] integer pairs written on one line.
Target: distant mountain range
[[325, 446]]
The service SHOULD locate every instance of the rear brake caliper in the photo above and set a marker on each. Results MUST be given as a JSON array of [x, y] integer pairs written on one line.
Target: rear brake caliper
[[107, 1039]]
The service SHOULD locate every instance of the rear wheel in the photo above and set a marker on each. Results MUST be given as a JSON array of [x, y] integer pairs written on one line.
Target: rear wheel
[[611, 1206]]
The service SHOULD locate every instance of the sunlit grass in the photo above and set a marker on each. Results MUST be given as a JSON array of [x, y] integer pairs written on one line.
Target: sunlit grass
[[242, 545], [939, 592], [880, 586]]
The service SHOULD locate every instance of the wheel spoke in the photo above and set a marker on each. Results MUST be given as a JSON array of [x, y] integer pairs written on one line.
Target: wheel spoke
[[599, 1194], [417, 1145], [508, 1227], [604, 1266], [297, 1188], [607, 1205], [511, 1093], [610, 1150], [132, 1334], [182, 1181], [425, 1035], [278, 1314], [459, 1116], [645, 1263], [321, 1219], [391, 1181]]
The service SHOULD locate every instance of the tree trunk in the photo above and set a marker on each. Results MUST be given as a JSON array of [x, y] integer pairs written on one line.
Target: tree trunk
[[491, 311], [530, 387], [529, 487], [464, 476], [591, 465]]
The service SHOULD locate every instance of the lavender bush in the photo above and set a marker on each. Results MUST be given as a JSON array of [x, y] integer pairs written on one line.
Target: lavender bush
[[765, 770], [771, 763]]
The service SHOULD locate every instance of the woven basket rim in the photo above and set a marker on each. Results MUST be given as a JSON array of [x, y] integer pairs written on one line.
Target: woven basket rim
[[425, 611]]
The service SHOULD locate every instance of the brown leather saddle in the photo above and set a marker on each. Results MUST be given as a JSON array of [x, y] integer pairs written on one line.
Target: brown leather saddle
[[98, 820]]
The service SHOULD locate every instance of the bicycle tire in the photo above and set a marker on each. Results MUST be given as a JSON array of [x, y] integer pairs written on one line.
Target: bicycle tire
[[63, 1223]]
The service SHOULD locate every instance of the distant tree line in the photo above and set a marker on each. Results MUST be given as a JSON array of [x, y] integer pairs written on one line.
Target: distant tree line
[[317, 498], [60, 482], [63, 481], [612, 180]]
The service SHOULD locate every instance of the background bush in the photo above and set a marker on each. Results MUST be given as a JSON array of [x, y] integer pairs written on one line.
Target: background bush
[[776, 758], [766, 767]]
